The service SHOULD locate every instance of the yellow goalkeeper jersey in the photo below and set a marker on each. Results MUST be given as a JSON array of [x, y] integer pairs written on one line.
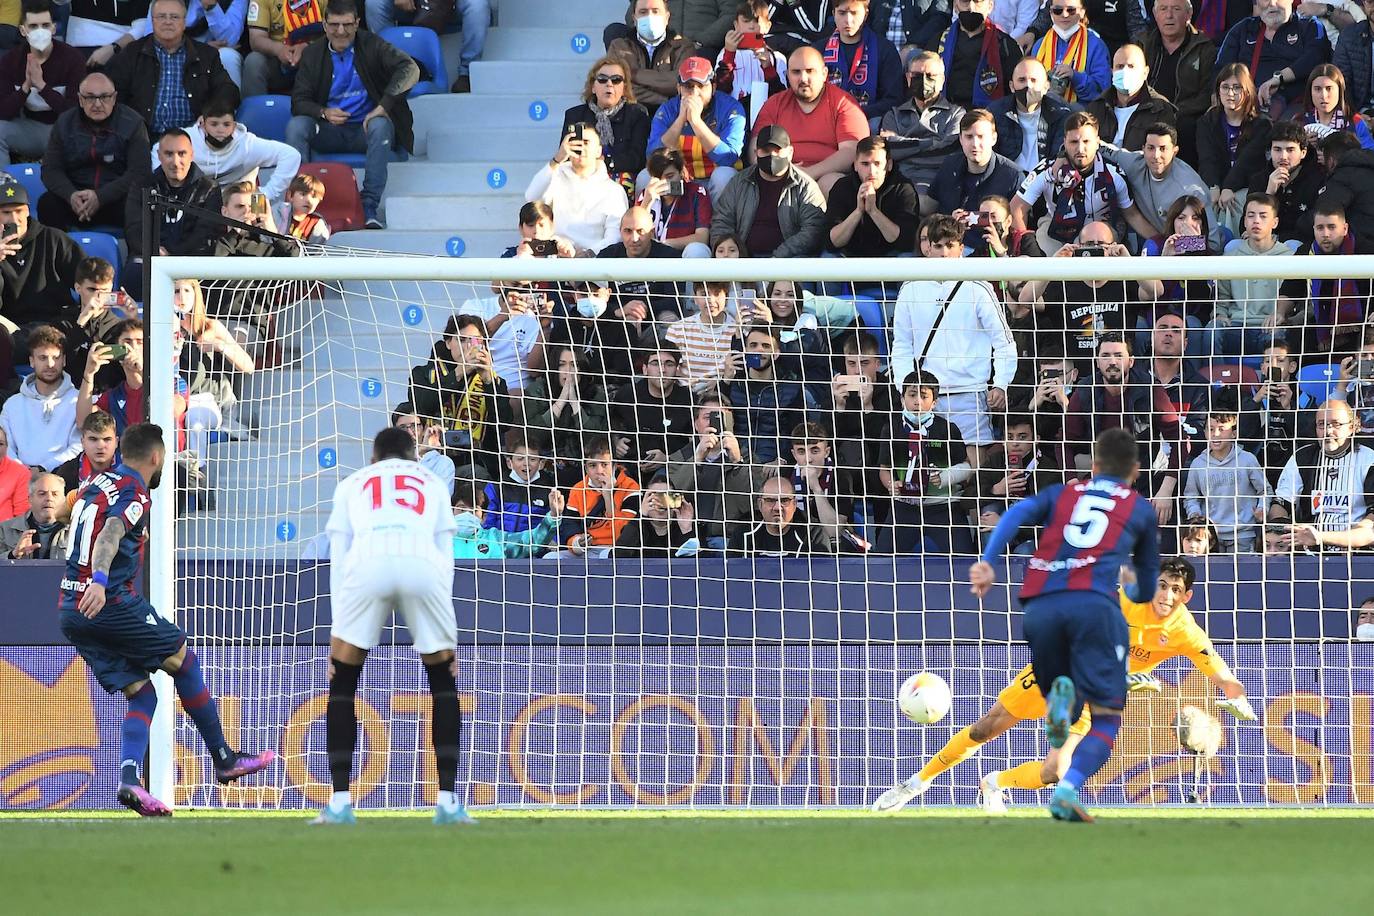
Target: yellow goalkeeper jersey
[[1154, 639]]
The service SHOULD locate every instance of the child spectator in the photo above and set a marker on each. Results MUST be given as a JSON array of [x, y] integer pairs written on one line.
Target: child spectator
[[99, 449], [862, 413], [125, 400], [1201, 539], [298, 216], [705, 338], [1015, 469], [925, 474], [599, 506], [515, 333], [473, 540], [824, 492], [1226, 487], [1248, 311], [1279, 415], [682, 217], [665, 527], [517, 504], [747, 59], [101, 308]]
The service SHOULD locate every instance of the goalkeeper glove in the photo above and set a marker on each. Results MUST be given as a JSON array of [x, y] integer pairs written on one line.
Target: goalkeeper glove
[[1142, 682], [1239, 707]]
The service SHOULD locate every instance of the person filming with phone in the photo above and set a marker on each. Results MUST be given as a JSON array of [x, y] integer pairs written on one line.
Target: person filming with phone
[[37, 267]]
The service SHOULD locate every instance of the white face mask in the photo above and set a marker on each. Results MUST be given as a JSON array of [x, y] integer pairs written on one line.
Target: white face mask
[[591, 307], [652, 28], [1128, 81], [40, 39], [468, 524], [1365, 632], [1065, 32]]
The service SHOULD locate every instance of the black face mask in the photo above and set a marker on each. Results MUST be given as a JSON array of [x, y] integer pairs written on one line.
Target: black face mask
[[773, 165], [1023, 98], [214, 143], [923, 87], [971, 21]]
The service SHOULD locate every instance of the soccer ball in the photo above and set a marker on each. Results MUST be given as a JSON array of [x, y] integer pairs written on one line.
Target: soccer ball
[[924, 698]]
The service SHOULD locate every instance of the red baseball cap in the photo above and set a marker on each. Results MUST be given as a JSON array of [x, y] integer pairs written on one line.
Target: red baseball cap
[[695, 70]]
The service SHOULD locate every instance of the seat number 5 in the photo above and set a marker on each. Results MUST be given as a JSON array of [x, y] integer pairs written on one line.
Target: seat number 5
[[1089, 521]]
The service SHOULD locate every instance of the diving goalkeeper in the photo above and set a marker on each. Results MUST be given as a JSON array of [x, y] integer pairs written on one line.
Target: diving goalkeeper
[[1160, 629]]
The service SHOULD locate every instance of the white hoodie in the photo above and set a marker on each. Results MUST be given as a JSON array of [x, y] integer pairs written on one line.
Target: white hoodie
[[42, 430], [972, 347], [241, 159]]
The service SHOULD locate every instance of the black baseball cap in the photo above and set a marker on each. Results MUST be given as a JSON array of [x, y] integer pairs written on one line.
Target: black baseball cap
[[12, 192], [772, 135]]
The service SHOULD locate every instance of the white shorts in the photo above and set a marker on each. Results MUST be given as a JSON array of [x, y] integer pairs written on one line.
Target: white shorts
[[373, 588], [969, 412]]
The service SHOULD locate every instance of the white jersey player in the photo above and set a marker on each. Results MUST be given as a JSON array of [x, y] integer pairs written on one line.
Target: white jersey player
[[391, 549]]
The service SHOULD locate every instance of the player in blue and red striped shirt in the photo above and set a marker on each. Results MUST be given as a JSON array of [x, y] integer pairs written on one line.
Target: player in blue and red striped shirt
[[119, 634], [1073, 621]]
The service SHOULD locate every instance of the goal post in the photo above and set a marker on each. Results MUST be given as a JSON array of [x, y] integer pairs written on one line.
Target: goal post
[[699, 681]]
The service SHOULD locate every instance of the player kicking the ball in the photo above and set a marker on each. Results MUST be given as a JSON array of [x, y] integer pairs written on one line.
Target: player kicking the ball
[[1160, 629], [119, 634], [391, 548]]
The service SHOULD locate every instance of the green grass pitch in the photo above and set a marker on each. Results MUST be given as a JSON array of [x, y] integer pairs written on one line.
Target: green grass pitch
[[935, 861]]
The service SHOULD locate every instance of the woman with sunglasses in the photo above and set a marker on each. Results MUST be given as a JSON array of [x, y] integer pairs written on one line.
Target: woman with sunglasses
[[1076, 57], [1328, 107], [608, 101], [1232, 140]]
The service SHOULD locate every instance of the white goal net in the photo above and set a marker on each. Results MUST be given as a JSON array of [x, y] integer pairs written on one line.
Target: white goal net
[[775, 475]]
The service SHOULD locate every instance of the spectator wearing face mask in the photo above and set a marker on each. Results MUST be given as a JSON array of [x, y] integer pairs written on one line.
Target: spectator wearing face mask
[[38, 80], [473, 540], [653, 53], [1364, 621], [1029, 122]]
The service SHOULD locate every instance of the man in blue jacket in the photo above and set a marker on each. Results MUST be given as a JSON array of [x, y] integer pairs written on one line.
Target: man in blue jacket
[[1280, 48]]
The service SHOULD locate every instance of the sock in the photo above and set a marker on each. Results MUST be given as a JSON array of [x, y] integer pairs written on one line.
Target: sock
[[1025, 776], [341, 722], [959, 748], [340, 800], [447, 799], [1093, 751], [446, 723], [133, 734], [201, 707]]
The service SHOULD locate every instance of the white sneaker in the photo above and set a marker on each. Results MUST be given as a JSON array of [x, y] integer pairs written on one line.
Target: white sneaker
[[992, 797], [897, 797]]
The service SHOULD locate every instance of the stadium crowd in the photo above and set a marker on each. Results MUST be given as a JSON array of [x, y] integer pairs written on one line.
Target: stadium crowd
[[664, 419]]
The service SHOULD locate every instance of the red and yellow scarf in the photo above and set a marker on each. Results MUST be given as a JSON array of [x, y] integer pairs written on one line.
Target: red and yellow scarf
[[1076, 55]]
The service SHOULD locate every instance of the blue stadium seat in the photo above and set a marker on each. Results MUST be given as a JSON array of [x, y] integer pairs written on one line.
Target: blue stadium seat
[[30, 175], [871, 316], [423, 46], [100, 245], [266, 115], [1319, 382]]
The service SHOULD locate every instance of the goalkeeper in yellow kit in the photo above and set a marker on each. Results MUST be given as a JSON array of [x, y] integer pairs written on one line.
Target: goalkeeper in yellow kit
[[1160, 629]]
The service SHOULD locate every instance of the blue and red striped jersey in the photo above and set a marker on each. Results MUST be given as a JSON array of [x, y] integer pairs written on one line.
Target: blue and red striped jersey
[[116, 493], [1090, 529]]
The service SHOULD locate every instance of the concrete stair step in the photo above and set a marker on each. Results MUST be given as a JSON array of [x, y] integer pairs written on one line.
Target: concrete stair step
[[426, 177], [589, 16], [578, 42], [492, 146], [485, 244], [530, 109], [536, 77], [491, 212]]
